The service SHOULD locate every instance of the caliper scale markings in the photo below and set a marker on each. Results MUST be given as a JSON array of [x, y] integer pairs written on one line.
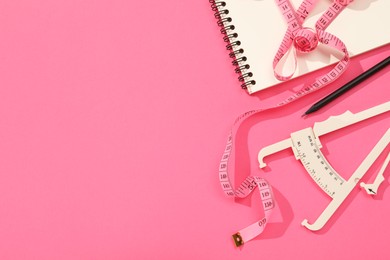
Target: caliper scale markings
[[307, 149]]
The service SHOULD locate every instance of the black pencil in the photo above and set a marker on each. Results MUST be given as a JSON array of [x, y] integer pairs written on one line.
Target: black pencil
[[348, 86]]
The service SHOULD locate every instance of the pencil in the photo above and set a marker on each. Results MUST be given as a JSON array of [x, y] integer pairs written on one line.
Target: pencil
[[348, 86]]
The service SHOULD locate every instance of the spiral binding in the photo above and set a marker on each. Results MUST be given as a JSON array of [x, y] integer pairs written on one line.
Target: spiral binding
[[231, 37]]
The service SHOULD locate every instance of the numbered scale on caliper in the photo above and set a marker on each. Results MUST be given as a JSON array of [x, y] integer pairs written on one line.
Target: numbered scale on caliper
[[307, 148]]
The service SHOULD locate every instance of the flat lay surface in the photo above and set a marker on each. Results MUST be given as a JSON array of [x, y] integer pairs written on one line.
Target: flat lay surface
[[113, 119]]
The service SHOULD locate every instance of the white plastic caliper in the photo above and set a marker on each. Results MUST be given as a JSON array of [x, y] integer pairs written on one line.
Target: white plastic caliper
[[306, 147]]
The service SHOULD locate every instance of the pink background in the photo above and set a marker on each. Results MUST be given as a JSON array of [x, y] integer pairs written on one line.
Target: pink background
[[114, 116]]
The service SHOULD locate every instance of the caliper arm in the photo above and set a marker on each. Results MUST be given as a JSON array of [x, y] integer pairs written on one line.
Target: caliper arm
[[271, 149], [334, 123], [373, 187]]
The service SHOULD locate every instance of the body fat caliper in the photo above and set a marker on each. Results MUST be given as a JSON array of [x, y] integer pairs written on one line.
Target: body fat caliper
[[306, 147]]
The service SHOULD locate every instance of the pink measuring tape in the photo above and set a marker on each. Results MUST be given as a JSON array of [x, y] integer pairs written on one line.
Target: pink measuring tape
[[301, 39]]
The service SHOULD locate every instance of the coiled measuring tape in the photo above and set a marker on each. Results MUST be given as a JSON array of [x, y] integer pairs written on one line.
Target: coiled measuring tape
[[302, 39]]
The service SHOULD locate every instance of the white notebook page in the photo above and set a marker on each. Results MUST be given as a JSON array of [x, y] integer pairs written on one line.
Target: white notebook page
[[363, 25]]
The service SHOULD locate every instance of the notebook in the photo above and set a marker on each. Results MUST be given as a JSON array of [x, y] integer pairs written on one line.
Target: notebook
[[254, 29]]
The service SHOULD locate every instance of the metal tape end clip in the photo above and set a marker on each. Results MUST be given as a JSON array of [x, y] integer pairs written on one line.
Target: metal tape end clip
[[238, 239]]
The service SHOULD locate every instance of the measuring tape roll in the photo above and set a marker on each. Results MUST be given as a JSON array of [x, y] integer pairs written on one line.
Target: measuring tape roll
[[221, 13], [303, 40], [251, 182]]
